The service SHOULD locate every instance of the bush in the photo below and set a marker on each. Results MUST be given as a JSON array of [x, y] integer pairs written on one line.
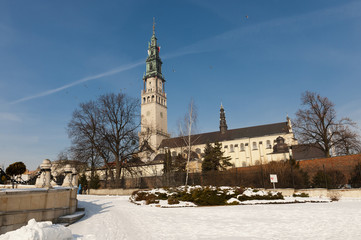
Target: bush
[[162, 196], [172, 200], [269, 196], [147, 197], [208, 197], [334, 197], [334, 179], [319, 180], [301, 194]]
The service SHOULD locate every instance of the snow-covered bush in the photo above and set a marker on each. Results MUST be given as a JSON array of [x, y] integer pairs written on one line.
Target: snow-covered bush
[[300, 194], [255, 194]]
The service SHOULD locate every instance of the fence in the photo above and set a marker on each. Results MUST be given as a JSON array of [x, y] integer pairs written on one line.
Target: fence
[[329, 173]]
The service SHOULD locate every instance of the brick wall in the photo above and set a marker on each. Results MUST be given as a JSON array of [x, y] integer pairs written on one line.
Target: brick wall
[[344, 164]]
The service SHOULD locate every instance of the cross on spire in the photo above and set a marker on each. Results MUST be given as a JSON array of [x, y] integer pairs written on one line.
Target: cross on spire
[[153, 25]]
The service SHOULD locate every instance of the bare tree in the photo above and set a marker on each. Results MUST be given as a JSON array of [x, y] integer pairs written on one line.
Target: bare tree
[[109, 127], [186, 129], [348, 141], [317, 124]]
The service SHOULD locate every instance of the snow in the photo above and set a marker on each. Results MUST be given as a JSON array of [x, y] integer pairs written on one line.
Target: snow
[[39, 231], [114, 217]]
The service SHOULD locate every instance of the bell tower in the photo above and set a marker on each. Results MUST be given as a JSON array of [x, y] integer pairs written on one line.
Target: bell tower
[[154, 99]]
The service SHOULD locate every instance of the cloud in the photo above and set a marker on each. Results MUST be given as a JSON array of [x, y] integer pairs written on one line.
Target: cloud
[[77, 82], [4, 116], [123, 68]]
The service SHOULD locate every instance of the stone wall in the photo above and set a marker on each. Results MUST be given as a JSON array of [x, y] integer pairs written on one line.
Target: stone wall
[[18, 206], [322, 192], [118, 191]]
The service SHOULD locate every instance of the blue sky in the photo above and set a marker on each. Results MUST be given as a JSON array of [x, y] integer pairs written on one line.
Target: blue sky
[[57, 54]]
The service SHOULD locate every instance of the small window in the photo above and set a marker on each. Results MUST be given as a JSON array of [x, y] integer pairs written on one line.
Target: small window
[[174, 153], [231, 149], [254, 146], [242, 147], [226, 146], [246, 144], [198, 150], [244, 164], [258, 162], [268, 144], [260, 143]]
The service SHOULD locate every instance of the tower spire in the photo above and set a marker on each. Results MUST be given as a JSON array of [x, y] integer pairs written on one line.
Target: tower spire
[[222, 124], [153, 25]]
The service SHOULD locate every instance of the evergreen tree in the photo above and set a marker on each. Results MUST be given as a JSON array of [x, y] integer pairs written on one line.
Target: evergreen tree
[[180, 164], [167, 163], [16, 168], [83, 181], [214, 159], [94, 182], [355, 180]]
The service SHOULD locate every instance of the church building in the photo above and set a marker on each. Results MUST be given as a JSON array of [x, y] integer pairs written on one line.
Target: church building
[[246, 146]]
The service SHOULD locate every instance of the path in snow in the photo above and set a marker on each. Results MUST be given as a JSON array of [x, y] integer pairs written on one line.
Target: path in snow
[[110, 217]]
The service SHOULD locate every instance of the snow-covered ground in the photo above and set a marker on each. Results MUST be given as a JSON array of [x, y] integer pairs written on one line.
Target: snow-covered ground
[[112, 217]]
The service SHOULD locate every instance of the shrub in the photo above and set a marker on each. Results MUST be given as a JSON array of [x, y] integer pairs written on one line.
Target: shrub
[[269, 196], [162, 196], [335, 196], [320, 178], [301, 194], [172, 200], [208, 197]]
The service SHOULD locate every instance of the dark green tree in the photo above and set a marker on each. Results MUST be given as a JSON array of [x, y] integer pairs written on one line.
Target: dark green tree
[[214, 159], [83, 181], [180, 164], [167, 163], [16, 168], [355, 180], [94, 182]]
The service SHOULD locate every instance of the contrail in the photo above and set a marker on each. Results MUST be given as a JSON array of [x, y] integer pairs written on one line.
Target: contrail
[[108, 73]]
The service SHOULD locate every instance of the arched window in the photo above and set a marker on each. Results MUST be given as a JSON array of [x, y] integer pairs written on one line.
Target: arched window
[[231, 149], [268, 144], [144, 100], [241, 148], [148, 99], [152, 98], [254, 146]]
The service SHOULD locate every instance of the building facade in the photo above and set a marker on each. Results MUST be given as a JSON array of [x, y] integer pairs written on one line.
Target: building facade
[[246, 146]]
